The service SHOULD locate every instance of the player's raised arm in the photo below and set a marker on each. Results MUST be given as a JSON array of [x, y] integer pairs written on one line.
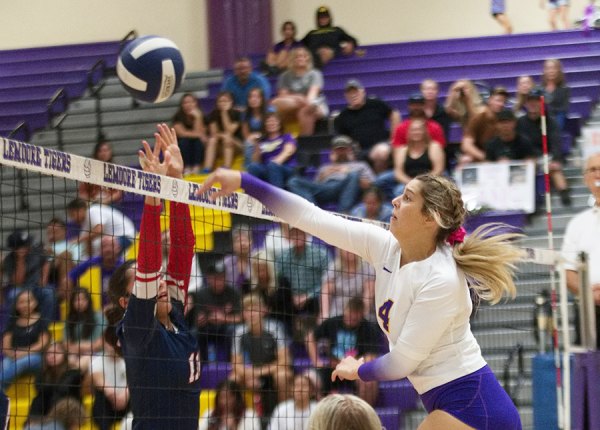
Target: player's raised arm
[[181, 252], [359, 238]]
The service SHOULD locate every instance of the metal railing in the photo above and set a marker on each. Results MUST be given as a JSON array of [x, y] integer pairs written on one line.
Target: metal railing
[[512, 389]]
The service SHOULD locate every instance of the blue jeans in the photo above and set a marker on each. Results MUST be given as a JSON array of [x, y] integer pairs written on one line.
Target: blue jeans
[[273, 173], [344, 192], [11, 369], [388, 184]]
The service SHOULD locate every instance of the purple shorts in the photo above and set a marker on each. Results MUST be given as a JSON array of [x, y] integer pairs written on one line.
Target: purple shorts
[[477, 400]]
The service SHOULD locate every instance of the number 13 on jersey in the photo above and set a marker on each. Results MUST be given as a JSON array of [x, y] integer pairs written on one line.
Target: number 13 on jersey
[[384, 314]]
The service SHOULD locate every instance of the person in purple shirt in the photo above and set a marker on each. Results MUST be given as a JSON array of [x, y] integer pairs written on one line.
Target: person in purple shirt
[[278, 56], [273, 157], [238, 264]]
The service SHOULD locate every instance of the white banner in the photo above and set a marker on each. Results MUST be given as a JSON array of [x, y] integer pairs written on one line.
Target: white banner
[[499, 186]]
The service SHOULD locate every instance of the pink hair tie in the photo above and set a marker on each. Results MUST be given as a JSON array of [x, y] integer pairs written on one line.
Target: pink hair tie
[[457, 236]]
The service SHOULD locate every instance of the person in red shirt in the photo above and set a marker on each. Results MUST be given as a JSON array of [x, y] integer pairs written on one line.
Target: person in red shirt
[[416, 109]]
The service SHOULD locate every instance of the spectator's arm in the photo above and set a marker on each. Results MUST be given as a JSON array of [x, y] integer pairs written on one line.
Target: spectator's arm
[[229, 126], [395, 118], [399, 160], [326, 289], [573, 281], [437, 157], [313, 93], [7, 349], [288, 150], [117, 396], [468, 147], [40, 344]]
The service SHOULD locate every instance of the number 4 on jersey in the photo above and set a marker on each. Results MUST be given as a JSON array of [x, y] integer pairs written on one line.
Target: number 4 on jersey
[[384, 314]]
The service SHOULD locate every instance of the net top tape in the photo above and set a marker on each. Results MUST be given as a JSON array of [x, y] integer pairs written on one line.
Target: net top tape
[[53, 162]]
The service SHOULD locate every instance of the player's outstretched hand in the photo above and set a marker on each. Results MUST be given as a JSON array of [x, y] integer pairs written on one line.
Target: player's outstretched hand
[[230, 181], [150, 158], [168, 141], [347, 369]]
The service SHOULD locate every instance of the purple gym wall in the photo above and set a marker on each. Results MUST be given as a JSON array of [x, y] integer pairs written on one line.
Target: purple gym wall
[[236, 28]]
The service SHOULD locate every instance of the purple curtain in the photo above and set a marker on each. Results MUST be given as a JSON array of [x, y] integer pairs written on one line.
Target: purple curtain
[[237, 28]]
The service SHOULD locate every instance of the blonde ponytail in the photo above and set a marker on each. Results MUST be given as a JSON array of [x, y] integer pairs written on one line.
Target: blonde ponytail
[[488, 259]]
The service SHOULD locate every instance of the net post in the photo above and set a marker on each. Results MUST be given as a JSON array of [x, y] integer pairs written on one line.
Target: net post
[[587, 314], [566, 355]]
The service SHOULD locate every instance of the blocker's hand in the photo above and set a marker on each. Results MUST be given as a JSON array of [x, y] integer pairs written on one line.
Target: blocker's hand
[[230, 181], [150, 158], [347, 369], [168, 140]]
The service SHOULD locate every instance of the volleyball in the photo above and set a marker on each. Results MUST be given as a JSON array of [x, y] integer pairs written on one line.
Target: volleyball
[[151, 68]]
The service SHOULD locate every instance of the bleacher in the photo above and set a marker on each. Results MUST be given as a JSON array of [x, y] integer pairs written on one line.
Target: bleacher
[[30, 78]]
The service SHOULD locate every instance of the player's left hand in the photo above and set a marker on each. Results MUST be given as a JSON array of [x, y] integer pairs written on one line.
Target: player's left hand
[[168, 139], [230, 181], [347, 369], [150, 158]]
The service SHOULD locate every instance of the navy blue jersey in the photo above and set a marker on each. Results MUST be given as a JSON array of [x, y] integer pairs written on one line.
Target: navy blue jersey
[[163, 367]]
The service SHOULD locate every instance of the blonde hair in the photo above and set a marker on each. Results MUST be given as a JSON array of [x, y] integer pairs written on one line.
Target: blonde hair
[[343, 412], [262, 257], [487, 256], [253, 299], [294, 53], [462, 109], [560, 79]]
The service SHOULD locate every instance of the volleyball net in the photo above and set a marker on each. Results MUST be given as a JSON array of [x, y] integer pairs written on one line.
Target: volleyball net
[[317, 302]]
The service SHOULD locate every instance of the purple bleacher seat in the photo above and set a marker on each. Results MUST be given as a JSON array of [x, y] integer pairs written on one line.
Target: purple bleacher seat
[[390, 418], [445, 46], [213, 374], [97, 49], [30, 77], [516, 219], [425, 60], [400, 394]]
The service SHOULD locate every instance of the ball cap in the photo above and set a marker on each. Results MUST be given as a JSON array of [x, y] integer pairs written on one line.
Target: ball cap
[[416, 98], [342, 141], [18, 239], [354, 84], [216, 268], [506, 115], [322, 11]]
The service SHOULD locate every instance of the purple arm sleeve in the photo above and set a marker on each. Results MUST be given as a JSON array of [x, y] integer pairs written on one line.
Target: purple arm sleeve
[[280, 202], [369, 371]]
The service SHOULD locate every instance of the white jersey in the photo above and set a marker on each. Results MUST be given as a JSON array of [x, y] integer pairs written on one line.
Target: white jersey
[[423, 307], [582, 235]]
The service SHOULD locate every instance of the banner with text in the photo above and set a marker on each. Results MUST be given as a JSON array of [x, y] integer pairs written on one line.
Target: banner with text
[[499, 186]]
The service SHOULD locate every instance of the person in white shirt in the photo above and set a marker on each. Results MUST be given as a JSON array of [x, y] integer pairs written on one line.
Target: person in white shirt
[[99, 220], [422, 296], [292, 414], [583, 235]]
